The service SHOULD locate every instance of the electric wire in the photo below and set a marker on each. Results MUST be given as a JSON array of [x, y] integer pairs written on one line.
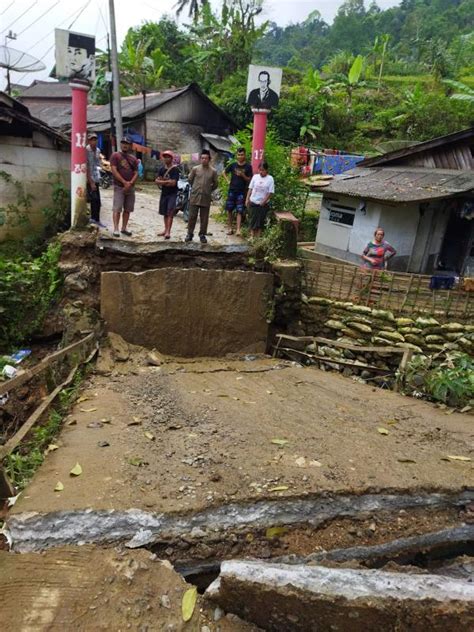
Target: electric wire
[[39, 18], [5, 10], [76, 15], [20, 16]]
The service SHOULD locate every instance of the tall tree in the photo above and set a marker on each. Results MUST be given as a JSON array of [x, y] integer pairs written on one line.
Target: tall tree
[[194, 7]]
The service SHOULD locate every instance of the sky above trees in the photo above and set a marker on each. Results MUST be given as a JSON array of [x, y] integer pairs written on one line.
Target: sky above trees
[[34, 21]]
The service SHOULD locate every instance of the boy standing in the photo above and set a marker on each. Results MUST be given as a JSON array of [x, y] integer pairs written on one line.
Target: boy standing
[[261, 189]]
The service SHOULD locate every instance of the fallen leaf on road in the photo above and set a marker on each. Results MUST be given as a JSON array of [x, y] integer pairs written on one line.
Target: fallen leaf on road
[[72, 422], [103, 444], [84, 398], [403, 460], [59, 487], [275, 532], [136, 461], [383, 431], [250, 402], [76, 470], [95, 424], [135, 422], [189, 602], [222, 395], [239, 378], [270, 392], [391, 421], [466, 409], [280, 442], [52, 447], [280, 488], [87, 410], [150, 436], [315, 464], [106, 421], [458, 458], [300, 461], [236, 399]]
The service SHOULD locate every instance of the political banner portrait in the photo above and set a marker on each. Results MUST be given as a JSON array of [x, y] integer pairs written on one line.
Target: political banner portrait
[[263, 87], [75, 56]]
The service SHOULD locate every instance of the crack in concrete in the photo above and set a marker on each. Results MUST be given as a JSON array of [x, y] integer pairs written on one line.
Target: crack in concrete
[[35, 532]]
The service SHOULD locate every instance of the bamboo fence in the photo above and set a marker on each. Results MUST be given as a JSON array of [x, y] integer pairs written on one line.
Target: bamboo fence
[[400, 292]]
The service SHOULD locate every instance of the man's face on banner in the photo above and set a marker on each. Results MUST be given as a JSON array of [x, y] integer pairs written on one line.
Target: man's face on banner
[[78, 63], [263, 80]]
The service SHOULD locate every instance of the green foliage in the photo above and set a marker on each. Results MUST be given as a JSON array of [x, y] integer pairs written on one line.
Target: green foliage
[[268, 247], [16, 214], [450, 382], [23, 463], [28, 287]]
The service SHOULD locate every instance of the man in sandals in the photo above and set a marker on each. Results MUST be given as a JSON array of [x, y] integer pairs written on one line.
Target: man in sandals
[[241, 174], [125, 171], [167, 180]]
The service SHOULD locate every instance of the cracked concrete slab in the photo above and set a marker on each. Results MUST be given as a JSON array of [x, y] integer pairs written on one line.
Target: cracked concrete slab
[[304, 599], [87, 589]]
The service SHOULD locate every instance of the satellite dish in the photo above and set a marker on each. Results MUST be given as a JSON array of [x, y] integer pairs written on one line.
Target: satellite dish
[[13, 59]]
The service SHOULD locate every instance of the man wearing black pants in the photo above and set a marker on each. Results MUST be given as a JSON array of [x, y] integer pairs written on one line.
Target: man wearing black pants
[[93, 179]]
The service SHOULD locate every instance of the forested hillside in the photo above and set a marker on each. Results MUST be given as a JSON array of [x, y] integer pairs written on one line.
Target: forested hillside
[[366, 82], [422, 34]]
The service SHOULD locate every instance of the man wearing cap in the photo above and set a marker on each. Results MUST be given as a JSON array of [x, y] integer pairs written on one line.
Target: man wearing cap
[[203, 181], [93, 179], [167, 180], [125, 171]]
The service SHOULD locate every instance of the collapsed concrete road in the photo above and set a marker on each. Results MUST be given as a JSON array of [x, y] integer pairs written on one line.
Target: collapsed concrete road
[[89, 589], [308, 599]]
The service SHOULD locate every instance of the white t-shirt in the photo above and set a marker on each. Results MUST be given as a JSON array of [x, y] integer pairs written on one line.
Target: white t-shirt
[[260, 188]]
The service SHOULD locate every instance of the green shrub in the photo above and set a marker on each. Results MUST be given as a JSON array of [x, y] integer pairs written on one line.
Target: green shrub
[[450, 382], [28, 286]]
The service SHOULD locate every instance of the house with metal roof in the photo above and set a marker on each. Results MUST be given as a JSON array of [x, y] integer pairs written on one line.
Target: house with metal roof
[[183, 119], [32, 157], [422, 196]]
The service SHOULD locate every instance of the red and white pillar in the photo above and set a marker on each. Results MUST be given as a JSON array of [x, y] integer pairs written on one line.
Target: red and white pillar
[[79, 214], [259, 134]]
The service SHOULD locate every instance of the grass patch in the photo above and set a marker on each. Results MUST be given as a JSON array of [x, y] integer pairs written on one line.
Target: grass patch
[[26, 459]]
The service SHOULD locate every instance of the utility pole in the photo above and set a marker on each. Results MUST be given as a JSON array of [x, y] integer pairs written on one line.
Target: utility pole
[[113, 139], [115, 74]]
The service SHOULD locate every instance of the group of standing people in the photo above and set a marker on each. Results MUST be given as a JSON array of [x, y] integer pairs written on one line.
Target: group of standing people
[[247, 192]]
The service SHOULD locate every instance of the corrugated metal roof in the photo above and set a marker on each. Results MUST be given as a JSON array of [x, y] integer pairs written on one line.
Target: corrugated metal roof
[[11, 109], [46, 90], [133, 106], [221, 143], [417, 148], [401, 184]]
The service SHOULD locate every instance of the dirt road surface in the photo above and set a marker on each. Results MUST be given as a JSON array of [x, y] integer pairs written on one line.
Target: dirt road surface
[[184, 436], [145, 222]]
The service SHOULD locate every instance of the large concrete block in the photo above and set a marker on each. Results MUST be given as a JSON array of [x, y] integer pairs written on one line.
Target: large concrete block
[[279, 597], [189, 312]]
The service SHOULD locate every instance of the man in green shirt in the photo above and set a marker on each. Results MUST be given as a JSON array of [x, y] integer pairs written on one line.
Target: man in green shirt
[[203, 181]]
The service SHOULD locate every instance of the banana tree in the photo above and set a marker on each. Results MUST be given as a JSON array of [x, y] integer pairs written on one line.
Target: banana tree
[[463, 92]]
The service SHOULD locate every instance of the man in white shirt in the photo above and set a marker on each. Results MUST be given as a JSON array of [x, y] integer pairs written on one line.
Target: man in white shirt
[[261, 189]]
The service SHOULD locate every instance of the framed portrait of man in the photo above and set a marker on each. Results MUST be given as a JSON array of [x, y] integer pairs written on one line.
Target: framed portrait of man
[[75, 56], [263, 87]]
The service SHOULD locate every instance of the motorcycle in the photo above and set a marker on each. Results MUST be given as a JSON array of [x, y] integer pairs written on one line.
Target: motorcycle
[[105, 173], [182, 199], [105, 178]]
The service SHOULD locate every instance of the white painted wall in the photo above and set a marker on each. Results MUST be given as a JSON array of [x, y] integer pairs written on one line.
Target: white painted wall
[[339, 240], [31, 166], [400, 223]]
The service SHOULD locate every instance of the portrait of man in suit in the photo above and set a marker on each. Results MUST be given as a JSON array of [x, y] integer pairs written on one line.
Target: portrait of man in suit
[[263, 97]]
